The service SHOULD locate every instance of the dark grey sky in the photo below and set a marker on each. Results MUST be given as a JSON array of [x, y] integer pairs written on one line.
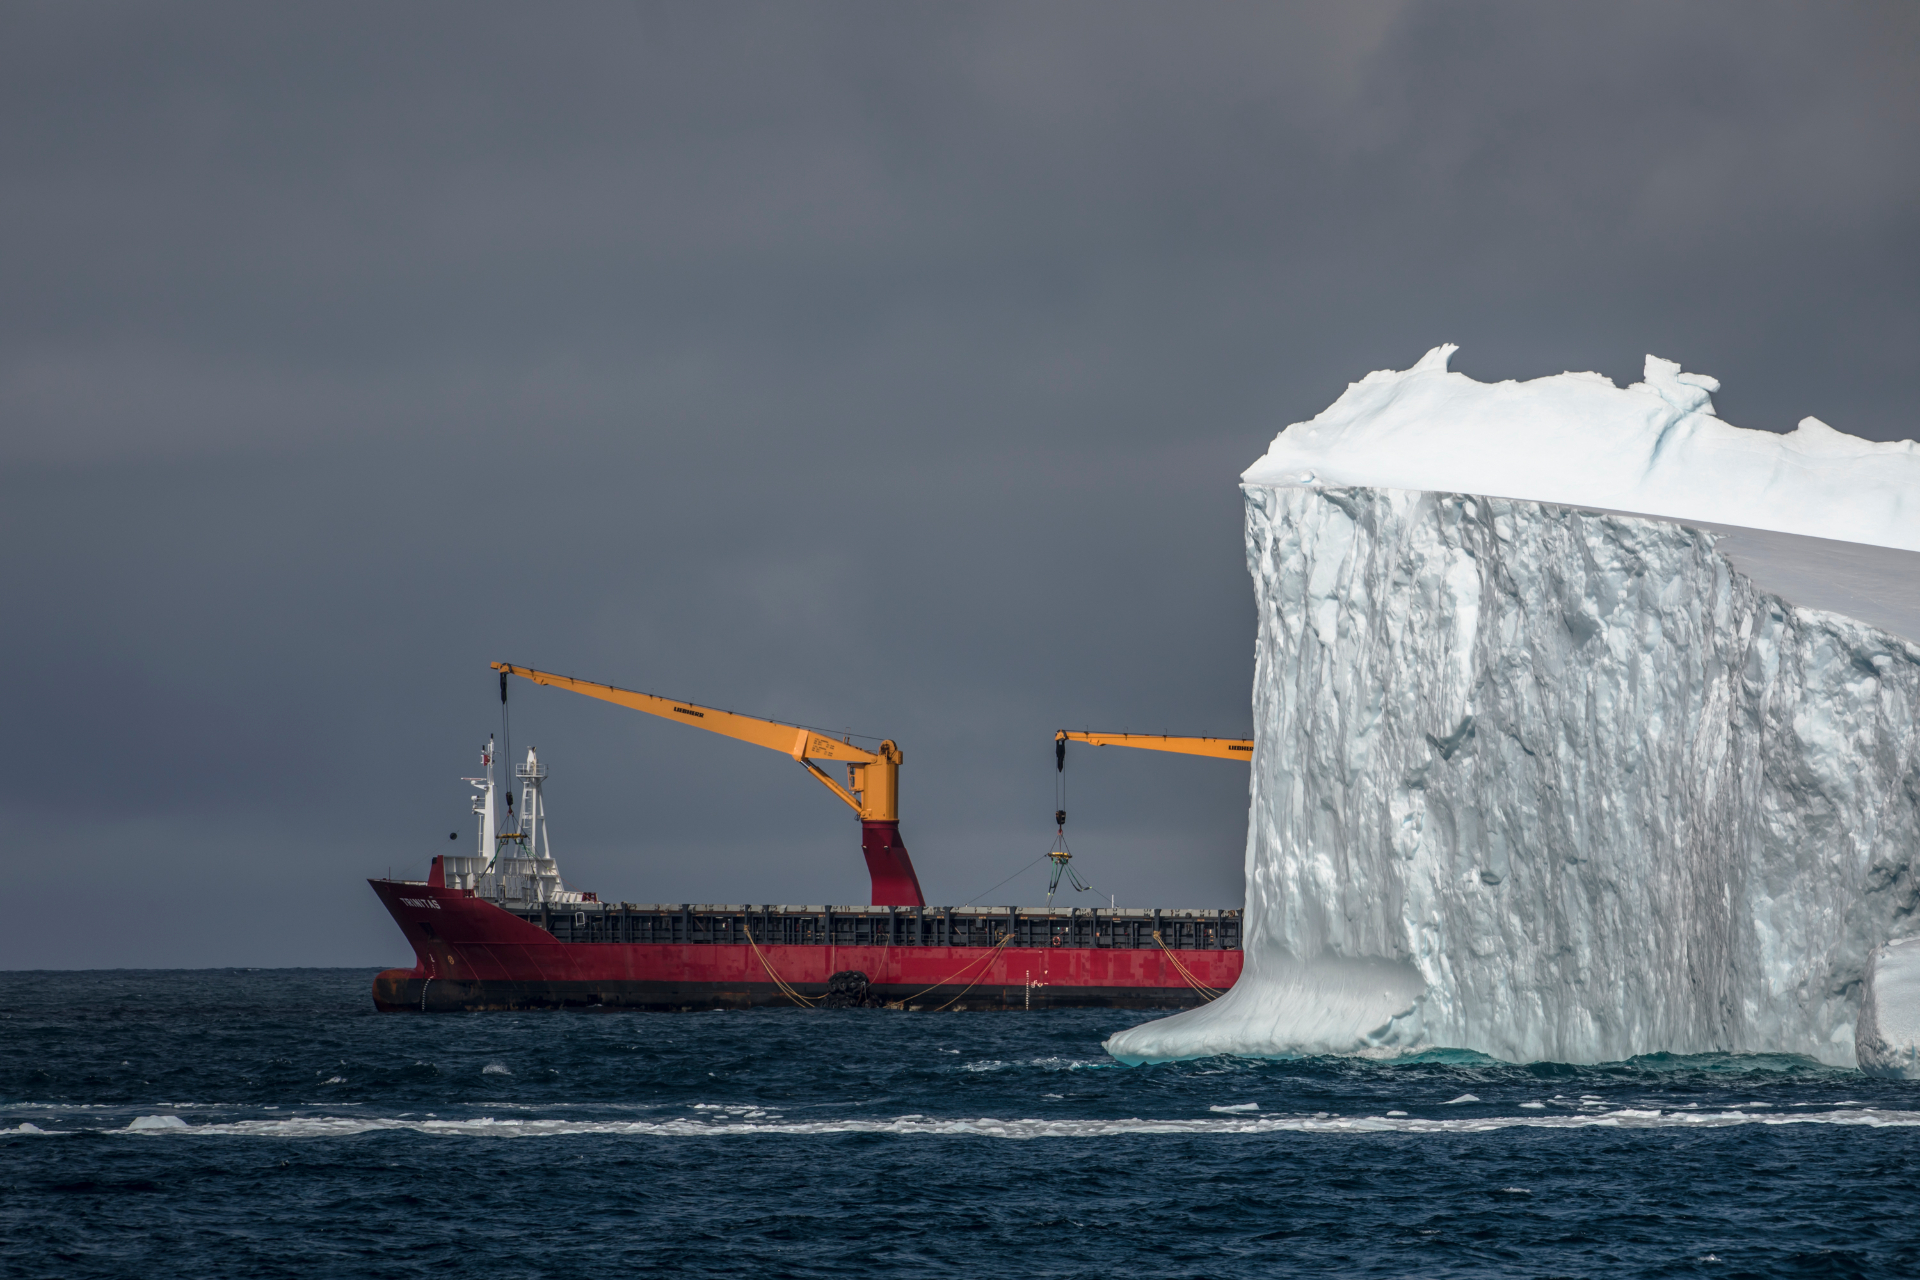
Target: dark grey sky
[[881, 366]]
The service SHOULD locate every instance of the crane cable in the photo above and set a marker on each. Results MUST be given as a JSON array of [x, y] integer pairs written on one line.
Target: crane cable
[[506, 738], [990, 888], [1061, 855], [1206, 991]]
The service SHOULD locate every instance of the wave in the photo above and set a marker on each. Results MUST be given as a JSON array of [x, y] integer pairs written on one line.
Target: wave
[[721, 1126], [1054, 1063]]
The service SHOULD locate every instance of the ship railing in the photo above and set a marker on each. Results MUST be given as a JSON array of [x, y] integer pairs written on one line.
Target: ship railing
[[1127, 928]]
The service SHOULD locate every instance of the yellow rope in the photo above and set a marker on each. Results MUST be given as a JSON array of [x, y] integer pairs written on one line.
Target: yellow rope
[[998, 947], [803, 1001], [1192, 981]]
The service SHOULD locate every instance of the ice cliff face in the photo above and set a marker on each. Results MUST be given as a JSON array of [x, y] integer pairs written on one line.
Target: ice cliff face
[[1553, 784], [1888, 1040]]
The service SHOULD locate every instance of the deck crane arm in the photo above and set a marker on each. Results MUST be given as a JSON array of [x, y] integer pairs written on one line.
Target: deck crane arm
[[873, 776], [804, 745], [1219, 748]]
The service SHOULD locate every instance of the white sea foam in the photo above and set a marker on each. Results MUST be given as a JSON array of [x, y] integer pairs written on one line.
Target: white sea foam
[[990, 1127], [1044, 1064]]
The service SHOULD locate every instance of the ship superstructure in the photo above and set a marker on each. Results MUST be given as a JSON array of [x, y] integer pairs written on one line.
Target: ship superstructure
[[511, 867]]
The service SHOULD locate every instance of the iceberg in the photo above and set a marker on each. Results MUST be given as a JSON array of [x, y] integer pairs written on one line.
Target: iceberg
[[1548, 764], [1888, 1040]]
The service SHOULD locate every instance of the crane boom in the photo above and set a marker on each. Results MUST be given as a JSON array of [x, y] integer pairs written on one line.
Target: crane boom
[[788, 739], [873, 789], [1219, 748]]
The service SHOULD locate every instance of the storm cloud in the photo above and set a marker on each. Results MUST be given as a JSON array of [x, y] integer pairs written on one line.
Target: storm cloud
[[885, 367]]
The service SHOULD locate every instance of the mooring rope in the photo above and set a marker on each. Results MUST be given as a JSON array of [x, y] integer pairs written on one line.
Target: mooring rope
[[1192, 981], [786, 990], [998, 947]]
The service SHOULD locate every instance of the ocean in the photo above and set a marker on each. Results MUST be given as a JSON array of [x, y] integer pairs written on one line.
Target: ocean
[[248, 1123]]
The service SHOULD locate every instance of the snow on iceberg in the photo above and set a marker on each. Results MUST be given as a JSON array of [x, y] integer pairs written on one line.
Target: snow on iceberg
[[1577, 439], [1546, 783]]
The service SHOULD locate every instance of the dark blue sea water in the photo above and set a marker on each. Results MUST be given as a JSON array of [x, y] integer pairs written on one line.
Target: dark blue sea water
[[261, 1124]]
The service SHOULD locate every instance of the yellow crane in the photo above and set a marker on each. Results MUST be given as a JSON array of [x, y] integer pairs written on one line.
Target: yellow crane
[[873, 777], [1219, 748]]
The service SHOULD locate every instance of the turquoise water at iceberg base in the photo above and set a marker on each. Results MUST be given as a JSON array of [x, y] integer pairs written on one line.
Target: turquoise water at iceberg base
[[269, 1123]]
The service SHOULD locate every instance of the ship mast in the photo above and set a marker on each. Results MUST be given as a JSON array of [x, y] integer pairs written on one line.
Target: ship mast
[[483, 807], [533, 807]]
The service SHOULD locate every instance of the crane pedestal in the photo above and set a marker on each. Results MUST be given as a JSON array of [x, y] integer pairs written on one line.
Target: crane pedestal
[[894, 881]]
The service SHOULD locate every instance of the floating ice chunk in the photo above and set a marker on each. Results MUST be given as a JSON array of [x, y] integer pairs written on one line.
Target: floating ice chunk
[[1465, 1097], [1238, 1106], [1396, 1113], [156, 1124], [1887, 1037], [24, 1127], [1533, 1106], [495, 1069]]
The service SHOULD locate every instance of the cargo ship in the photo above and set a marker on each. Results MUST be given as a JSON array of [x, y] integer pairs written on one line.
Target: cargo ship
[[499, 929]]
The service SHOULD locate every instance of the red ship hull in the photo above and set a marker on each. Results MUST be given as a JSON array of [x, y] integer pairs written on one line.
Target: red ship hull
[[472, 954]]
